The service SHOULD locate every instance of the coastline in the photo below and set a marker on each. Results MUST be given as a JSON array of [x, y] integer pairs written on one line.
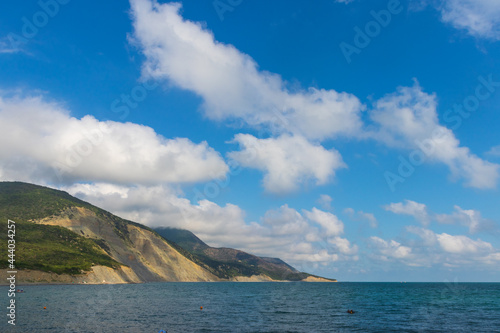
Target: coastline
[[101, 275]]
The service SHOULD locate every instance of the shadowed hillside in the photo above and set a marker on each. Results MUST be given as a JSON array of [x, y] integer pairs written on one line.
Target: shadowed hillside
[[58, 233], [227, 262]]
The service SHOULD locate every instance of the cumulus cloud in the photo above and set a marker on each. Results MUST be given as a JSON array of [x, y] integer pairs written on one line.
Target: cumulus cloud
[[287, 161], [343, 245], [298, 238], [286, 220], [426, 235], [233, 87], [408, 119], [435, 249], [362, 216], [230, 82], [469, 218], [392, 249], [325, 201], [312, 226], [330, 223], [412, 208], [453, 244], [41, 142], [462, 244], [480, 18], [162, 205]]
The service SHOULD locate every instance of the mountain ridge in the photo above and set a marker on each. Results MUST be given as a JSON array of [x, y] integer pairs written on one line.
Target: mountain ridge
[[86, 237], [234, 261]]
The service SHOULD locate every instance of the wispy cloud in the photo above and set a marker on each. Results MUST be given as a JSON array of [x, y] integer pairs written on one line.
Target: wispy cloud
[[479, 18], [469, 218], [362, 216], [408, 119], [6, 48], [325, 201], [494, 151], [233, 87], [435, 249], [386, 250], [412, 208], [230, 82]]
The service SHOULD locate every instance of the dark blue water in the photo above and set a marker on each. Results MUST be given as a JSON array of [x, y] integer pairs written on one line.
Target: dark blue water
[[258, 307]]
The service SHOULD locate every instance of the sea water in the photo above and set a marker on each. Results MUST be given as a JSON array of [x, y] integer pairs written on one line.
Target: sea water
[[257, 307]]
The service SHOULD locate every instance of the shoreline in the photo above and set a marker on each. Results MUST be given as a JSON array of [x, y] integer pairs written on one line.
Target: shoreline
[[34, 277]]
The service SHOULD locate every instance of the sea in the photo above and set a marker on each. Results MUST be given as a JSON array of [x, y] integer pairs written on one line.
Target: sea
[[256, 307]]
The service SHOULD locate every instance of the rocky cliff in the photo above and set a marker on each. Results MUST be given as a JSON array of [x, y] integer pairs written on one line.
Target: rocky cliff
[[61, 239]]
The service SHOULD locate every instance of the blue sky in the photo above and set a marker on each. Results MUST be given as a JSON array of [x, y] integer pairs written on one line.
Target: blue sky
[[247, 123]]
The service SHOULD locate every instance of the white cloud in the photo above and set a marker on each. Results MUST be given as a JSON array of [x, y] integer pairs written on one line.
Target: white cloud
[[325, 201], [408, 119], [389, 249], [233, 87], [331, 224], [494, 151], [480, 18], [466, 217], [428, 236], [288, 221], [462, 244], [452, 250], [288, 161], [302, 239], [41, 142], [343, 245], [469, 218], [6, 48], [361, 216], [284, 232], [308, 242], [491, 259], [230, 82], [314, 225], [161, 205], [436, 249], [412, 208], [456, 244]]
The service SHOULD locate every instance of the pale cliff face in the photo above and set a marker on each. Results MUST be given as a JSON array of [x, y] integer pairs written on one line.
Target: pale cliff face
[[149, 257], [98, 275]]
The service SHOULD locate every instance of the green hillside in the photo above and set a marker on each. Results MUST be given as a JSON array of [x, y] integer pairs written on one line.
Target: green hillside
[[52, 249], [184, 238], [42, 247], [227, 263], [26, 202], [60, 250]]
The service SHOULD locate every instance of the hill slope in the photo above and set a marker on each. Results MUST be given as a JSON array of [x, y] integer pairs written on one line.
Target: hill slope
[[230, 263], [95, 238], [58, 233]]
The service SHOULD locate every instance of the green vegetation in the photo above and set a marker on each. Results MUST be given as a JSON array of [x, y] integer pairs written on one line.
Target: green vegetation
[[226, 270], [184, 238], [228, 263], [23, 201], [43, 247], [59, 250], [52, 249]]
